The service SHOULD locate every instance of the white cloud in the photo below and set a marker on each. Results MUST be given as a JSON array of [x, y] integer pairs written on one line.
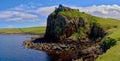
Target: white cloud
[[4, 15], [43, 24], [18, 16], [25, 13], [10, 26], [21, 13], [45, 11], [106, 11]]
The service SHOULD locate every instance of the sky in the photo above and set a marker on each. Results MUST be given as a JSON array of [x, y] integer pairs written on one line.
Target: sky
[[29, 13]]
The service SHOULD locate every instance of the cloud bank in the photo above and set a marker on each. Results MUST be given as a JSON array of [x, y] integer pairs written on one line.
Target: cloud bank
[[18, 16], [24, 13], [45, 11], [106, 11]]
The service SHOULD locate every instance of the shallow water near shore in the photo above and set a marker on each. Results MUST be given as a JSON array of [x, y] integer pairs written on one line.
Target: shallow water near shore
[[12, 49]]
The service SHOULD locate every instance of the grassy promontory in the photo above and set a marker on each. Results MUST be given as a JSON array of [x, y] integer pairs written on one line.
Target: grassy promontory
[[109, 25], [30, 30]]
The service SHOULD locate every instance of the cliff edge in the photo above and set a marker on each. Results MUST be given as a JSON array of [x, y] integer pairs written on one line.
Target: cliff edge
[[64, 22]]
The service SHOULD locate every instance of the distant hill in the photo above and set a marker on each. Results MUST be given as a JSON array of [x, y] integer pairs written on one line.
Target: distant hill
[[30, 30]]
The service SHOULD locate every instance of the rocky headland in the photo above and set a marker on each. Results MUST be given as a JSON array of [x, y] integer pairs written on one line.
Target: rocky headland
[[69, 36]]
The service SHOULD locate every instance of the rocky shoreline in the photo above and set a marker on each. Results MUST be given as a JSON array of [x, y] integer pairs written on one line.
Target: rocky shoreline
[[70, 50]]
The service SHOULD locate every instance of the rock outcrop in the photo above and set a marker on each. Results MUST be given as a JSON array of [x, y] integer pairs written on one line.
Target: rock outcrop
[[60, 27], [96, 32], [69, 50]]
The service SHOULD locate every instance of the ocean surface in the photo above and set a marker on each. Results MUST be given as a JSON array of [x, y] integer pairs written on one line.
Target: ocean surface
[[12, 49]]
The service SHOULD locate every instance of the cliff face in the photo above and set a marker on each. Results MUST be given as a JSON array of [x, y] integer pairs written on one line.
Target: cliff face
[[60, 27]]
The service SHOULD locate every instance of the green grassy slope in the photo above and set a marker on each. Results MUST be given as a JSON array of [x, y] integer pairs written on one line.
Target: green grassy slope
[[105, 23], [111, 26], [113, 54], [30, 30]]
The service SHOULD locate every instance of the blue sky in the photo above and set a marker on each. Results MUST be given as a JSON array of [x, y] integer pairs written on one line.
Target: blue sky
[[27, 13]]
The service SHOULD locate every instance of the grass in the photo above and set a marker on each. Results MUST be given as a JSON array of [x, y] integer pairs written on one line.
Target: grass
[[113, 54], [105, 23], [30, 30], [115, 34], [111, 26]]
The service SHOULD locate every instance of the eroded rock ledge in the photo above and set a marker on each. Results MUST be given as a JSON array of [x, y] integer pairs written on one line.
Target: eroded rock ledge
[[81, 50]]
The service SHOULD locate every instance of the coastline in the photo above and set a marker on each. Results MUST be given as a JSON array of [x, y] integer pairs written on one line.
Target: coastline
[[68, 50], [22, 34]]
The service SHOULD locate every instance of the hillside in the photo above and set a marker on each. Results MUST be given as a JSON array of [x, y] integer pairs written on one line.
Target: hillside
[[29, 30], [111, 27]]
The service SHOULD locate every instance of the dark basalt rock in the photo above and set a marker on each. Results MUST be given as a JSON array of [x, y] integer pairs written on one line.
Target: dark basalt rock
[[60, 27], [96, 32]]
